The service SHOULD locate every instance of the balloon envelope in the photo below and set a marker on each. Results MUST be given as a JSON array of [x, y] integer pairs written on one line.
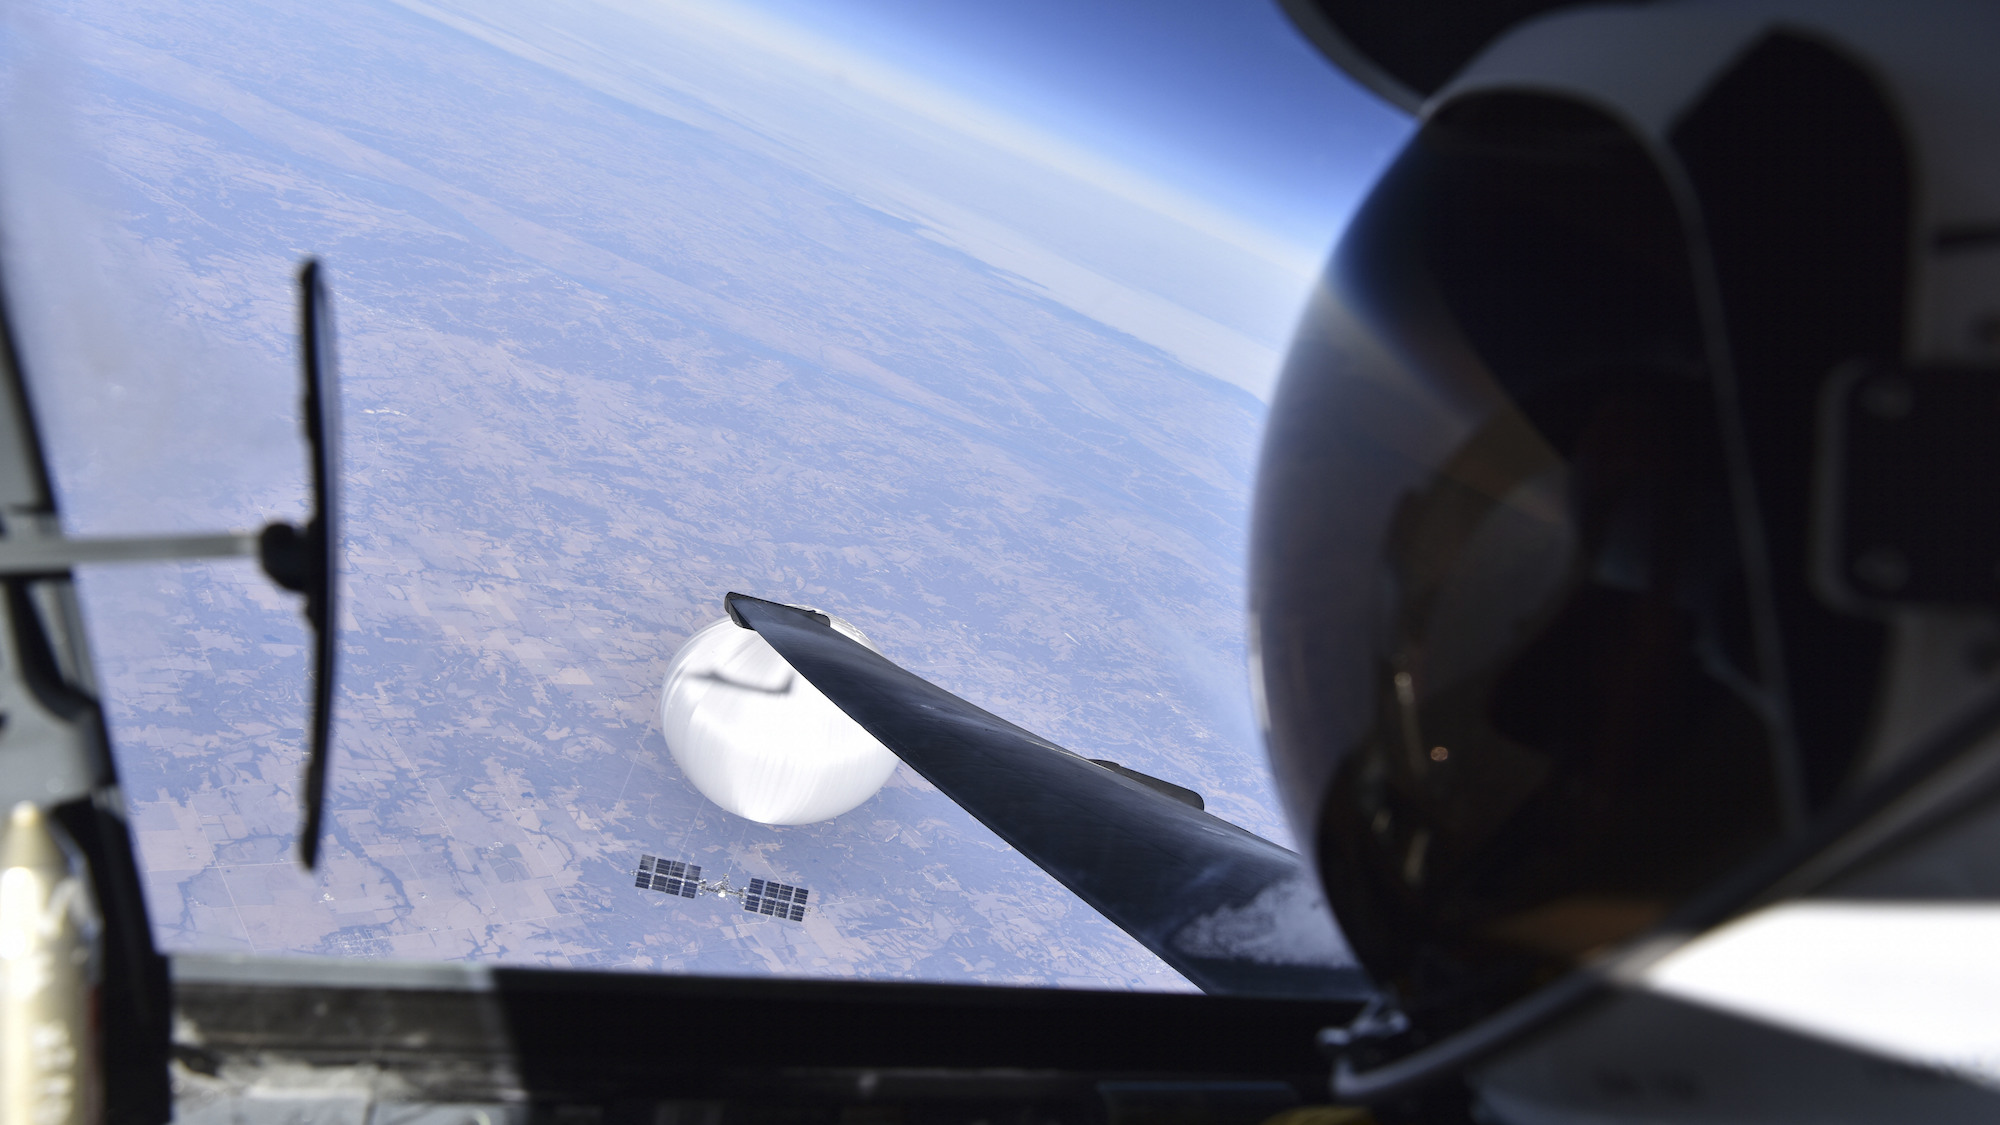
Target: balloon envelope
[[756, 738]]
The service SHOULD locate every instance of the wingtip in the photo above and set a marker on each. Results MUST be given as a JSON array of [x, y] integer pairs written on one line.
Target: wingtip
[[733, 602], [730, 602]]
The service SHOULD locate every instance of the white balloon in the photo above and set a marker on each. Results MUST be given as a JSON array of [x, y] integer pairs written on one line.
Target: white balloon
[[756, 738]]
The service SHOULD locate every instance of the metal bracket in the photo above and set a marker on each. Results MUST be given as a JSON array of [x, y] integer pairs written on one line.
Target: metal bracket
[[28, 556], [1378, 1020], [1907, 504]]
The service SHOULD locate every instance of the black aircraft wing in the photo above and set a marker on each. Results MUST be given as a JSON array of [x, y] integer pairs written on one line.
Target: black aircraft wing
[[1233, 912]]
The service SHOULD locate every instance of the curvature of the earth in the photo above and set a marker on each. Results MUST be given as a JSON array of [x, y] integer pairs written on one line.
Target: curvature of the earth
[[636, 310]]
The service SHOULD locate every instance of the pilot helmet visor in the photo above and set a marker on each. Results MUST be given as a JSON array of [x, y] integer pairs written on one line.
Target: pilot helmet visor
[[1510, 637]]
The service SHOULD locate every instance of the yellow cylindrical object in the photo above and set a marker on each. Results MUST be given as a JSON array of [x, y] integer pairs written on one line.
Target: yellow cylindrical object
[[49, 1071]]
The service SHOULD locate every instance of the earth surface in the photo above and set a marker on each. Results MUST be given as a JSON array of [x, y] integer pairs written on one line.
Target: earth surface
[[637, 305]]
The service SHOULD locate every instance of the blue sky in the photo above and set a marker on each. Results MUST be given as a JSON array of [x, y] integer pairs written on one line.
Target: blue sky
[[1221, 98]]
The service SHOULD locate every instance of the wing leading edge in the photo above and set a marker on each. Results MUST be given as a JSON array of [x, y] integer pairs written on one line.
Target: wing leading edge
[[1233, 912]]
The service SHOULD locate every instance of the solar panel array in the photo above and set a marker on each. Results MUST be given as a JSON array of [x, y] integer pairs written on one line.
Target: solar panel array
[[779, 900], [670, 876]]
